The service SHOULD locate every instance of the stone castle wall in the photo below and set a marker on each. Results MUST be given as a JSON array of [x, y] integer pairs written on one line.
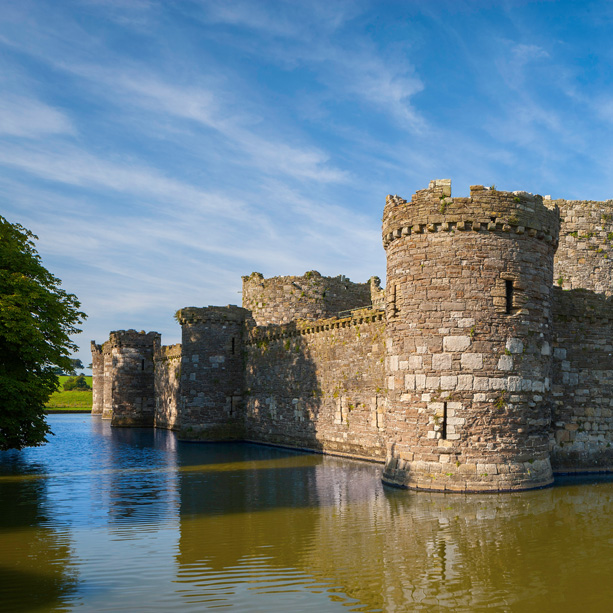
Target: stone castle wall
[[319, 385], [485, 365], [167, 360], [582, 390], [281, 300], [584, 258]]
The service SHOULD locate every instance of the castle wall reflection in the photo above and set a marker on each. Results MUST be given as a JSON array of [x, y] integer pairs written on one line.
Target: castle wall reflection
[[130, 520]]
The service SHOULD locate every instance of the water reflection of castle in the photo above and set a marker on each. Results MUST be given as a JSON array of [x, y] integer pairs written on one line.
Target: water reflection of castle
[[470, 372]]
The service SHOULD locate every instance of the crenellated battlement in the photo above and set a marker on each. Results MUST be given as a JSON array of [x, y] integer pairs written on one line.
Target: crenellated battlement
[[131, 338], [211, 314], [486, 210]]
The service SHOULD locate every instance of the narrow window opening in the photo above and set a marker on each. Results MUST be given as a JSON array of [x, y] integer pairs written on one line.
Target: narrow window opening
[[232, 345], [509, 295], [142, 364], [393, 308], [232, 397], [444, 432]]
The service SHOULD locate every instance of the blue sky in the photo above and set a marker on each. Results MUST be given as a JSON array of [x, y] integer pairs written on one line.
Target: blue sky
[[161, 149]]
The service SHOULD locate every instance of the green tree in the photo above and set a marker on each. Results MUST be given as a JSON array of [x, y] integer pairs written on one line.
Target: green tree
[[76, 363], [76, 383], [37, 318]]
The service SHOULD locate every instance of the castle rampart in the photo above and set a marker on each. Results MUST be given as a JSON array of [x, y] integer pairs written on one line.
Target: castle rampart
[[586, 246], [319, 385], [486, 364]]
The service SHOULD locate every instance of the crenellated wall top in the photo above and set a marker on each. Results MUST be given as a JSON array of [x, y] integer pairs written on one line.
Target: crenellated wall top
[[211, 314], [486, 210], [131, 338]]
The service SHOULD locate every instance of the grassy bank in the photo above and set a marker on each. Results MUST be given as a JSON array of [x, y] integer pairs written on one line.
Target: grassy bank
[[74, 400]]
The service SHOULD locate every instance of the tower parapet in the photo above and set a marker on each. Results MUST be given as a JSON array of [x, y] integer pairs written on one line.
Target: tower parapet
[[212, 373], [469, 283], [129, 391]]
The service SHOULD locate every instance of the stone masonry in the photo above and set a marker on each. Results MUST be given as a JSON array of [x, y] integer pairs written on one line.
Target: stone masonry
[[486, 364]]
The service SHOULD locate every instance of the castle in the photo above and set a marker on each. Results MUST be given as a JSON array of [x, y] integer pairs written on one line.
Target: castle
[[485, 365]]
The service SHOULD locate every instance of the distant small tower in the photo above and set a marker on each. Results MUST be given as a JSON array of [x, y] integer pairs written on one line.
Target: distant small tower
[[212, 373], [468, 302], [97, 379], [128, 388]]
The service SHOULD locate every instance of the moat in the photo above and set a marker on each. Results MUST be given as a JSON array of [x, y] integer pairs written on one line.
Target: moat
[[105, 519]]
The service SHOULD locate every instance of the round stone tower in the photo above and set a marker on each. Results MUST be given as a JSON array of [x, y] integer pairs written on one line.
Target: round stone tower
[[468, 301], [128, 387], [212, 373]]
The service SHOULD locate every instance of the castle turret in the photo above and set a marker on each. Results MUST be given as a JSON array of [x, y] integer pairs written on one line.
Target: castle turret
[[212, 373], [97, 379], [128, 377], [469, 284]]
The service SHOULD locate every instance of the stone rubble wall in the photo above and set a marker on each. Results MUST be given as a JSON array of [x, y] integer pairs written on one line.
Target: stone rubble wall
[[319, 385], [585, 256], [281, 300], [167, 360], [582, 390]]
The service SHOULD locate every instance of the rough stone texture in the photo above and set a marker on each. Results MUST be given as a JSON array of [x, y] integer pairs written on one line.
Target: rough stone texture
[[281, 300], [582, 377], [454, 423], [167, 360], [586, 246], [129, 390], [319, 385], [469, 372], [97, 379], [212, 373]]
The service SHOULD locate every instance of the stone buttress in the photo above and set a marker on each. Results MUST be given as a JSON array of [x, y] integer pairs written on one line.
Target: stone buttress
[[469, 285], [128, 394], [212, 373]]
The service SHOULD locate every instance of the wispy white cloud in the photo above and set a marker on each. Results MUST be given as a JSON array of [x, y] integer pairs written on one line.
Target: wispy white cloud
[[29, 118]]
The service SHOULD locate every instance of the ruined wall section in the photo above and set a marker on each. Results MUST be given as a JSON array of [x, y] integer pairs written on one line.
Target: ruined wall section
[[582, 390], [319, 385], [585, 256], [281, 300], [167, 360], [469, 283], [129, 388], [212, 377], [97, 379]]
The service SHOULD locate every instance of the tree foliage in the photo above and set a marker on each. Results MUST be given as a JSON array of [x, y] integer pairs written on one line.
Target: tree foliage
[[76, 383], [37, 318]]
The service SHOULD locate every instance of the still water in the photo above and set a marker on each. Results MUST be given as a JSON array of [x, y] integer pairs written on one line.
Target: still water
[[103, 519]]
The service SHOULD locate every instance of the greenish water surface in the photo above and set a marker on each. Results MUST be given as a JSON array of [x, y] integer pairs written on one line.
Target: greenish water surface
[[105, 519]]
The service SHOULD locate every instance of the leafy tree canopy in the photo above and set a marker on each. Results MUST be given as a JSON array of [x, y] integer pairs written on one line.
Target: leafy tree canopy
[[76, 383], [37, 318], [76, 363]]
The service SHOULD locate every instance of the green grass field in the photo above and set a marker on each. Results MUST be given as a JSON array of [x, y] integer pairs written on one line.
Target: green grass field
[[74, 400]]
